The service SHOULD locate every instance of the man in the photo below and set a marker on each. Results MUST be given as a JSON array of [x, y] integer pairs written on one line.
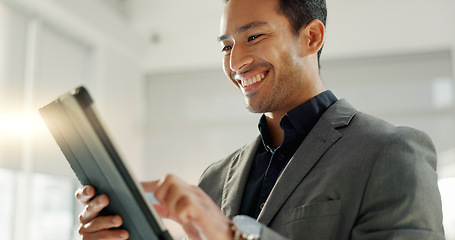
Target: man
[[319, 169]]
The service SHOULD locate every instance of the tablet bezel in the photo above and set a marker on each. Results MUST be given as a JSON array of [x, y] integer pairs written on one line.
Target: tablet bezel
[[74, 123]]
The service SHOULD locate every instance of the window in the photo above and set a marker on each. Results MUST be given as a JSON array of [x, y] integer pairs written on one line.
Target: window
[[37, 63], [52, 207], [7, 186]]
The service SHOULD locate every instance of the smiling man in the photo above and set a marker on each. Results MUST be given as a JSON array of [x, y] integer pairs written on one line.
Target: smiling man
[[319, 168]]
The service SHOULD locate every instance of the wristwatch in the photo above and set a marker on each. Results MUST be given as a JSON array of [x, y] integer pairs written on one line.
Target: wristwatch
[[245, 227]]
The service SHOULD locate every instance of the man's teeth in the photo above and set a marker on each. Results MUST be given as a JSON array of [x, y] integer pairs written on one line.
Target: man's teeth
[[253, 80]]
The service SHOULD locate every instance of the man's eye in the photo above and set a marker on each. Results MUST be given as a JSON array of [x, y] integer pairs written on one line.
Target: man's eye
[[226, 48], [251, 38]]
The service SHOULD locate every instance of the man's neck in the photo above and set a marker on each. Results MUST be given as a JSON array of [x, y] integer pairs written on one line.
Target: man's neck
[[273, 119], [273, 124]]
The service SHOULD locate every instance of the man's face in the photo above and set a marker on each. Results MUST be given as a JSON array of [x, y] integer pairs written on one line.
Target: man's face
[[262, 55]]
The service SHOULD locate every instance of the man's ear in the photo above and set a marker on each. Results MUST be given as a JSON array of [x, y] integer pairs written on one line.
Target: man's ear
[[312, 37]]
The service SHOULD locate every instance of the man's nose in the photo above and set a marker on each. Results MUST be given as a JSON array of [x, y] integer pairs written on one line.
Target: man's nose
[[240, 57]]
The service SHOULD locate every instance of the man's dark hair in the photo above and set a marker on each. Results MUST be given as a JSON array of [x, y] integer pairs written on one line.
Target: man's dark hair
[[301, 12]]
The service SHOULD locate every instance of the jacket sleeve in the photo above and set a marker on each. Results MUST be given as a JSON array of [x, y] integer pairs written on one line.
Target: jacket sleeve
[[402, 200]]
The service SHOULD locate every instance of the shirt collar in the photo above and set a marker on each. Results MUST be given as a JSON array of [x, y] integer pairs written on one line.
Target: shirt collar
[[300, 119]]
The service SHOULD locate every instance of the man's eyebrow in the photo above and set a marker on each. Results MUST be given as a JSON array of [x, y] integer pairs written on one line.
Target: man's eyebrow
[[222, 38], [243, 29]]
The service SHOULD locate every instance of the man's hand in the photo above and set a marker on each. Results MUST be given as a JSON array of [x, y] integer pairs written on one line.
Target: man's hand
[[94, 226], [190, 206]]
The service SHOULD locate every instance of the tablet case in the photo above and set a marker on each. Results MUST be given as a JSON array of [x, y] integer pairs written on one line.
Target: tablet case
[[73, 122]]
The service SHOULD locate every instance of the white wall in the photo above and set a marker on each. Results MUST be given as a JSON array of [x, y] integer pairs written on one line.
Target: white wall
[[362, 28]]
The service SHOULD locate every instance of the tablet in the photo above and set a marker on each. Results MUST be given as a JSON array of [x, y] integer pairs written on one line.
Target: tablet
[[75, 126]]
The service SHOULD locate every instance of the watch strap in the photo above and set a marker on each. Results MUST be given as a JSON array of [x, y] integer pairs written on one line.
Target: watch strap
[[251, 228]]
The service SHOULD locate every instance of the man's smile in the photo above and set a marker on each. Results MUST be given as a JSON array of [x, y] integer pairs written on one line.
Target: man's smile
[[247, 80], [250, 81]]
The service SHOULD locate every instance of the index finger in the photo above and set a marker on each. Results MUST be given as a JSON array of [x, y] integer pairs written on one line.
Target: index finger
[[150, 186], [84, 194]]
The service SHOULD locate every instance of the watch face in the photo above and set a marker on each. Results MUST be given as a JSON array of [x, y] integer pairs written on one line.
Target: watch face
[[248, 226]]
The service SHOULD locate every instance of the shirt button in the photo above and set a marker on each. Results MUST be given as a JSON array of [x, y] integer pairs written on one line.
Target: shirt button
[[281, 157]]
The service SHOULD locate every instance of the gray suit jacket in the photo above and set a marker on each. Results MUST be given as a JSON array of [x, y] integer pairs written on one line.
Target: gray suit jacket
[[353, 177]]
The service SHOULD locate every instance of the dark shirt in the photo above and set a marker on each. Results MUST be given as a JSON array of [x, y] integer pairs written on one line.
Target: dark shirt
[[270, 161]]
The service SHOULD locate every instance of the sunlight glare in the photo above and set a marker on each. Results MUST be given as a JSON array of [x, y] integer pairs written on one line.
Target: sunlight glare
[[17, 124]]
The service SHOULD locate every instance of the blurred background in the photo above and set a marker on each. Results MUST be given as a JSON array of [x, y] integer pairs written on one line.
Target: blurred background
[[154, 70]]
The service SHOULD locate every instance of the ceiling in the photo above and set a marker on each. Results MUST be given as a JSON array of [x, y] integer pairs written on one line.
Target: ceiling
[[181, 34], [177, 31]]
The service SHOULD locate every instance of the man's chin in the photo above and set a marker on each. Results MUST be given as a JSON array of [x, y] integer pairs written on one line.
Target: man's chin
[[254, 109], [251, 110]]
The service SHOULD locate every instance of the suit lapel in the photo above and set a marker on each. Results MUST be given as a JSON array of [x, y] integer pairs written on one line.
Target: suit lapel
[[319, 140], [236, 179]]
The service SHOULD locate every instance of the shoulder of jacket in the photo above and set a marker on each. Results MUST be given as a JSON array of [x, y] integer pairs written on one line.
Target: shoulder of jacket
[[220, 167]]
